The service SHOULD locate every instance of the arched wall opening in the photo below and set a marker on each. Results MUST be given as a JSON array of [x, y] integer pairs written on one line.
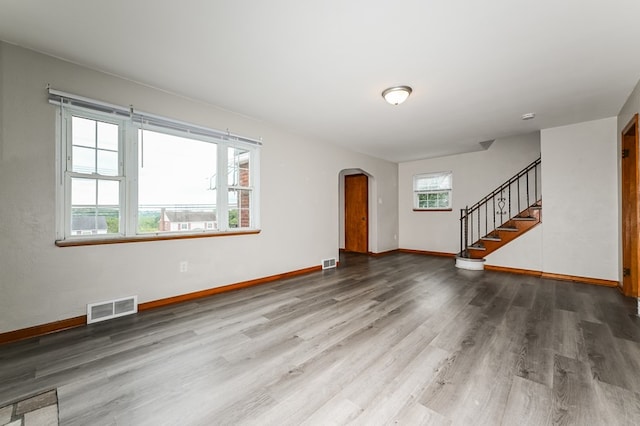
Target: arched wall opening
[[373, 214]]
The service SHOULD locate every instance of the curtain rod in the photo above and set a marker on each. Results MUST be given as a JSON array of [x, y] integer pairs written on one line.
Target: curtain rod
[[58, 97]]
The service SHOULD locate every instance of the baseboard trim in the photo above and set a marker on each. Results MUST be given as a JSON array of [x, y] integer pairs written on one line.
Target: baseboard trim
[[216, 290], [513, 270], [585, 280], [428, 253], [52, 327], [42, 329], [548, 275], [382, 253]]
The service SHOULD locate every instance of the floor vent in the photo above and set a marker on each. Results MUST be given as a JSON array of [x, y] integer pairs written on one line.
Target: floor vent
[[329, 263], [102, 311]]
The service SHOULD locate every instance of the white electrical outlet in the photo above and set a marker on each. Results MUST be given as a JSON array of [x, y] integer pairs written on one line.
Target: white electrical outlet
[[184, 266]]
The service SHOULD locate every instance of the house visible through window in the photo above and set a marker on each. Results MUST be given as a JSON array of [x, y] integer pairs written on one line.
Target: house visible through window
[[123, 174], [432, 191], [174, 187]]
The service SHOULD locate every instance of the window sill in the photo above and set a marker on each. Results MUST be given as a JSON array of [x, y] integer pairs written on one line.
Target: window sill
[[432, 210], [145, 238]]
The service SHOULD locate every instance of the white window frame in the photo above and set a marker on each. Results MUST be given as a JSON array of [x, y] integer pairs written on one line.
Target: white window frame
[[419, 191], [128, 170]]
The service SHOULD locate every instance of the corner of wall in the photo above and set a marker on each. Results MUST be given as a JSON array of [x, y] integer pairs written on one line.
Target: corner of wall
[[1, 100]]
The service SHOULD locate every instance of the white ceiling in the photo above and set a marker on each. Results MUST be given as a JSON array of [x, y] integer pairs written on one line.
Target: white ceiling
[[317, 67]]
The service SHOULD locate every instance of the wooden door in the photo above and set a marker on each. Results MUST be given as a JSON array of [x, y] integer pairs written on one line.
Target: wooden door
[[356, 213], [630, 211]]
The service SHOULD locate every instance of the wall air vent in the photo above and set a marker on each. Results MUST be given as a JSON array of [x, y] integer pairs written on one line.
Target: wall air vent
[[102, 311], [329, 263]]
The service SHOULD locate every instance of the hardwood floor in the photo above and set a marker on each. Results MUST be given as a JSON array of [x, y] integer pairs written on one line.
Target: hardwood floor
[[399, 339]]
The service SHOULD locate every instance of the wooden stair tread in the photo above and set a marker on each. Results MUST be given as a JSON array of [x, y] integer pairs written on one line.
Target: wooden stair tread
[[505, 233]]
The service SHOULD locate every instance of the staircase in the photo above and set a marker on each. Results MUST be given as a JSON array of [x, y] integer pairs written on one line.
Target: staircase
[[507, 212]]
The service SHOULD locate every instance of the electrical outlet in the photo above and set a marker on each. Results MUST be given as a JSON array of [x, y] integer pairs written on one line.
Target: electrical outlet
[[184, 266]]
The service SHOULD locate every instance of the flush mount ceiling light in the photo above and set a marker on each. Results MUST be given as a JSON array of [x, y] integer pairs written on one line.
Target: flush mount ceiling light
[[396, 95], [529, 116]]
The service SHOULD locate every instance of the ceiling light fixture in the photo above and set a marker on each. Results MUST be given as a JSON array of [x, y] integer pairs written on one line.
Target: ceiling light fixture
[[397, 94], [529, 116]]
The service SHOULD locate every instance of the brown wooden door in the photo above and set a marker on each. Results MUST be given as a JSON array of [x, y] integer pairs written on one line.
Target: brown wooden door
[[356, 213], [630, 209]]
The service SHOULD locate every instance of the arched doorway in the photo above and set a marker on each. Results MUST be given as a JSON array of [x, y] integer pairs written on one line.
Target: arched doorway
[[356, 213]]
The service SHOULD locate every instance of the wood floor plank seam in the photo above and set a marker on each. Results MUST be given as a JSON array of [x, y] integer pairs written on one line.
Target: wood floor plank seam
[[400, 338]]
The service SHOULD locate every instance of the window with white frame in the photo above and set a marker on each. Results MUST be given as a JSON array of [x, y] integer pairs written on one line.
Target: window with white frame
[[432, 191], [126, 174]]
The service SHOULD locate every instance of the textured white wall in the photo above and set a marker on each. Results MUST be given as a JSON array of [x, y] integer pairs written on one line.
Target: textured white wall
[[580, 203], [525, 252], [41, 283], [474, 176], [631, 107]]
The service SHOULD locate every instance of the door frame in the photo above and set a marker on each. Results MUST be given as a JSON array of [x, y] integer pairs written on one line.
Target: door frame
[[630, 233]]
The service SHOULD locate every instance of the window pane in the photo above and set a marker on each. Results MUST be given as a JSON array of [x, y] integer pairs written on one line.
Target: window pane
[[422, 201], [94, 213], [83, 132], [433, 200], [167, 219], [107, 136], [83, 192], [239, 202], [108, 163], [108, 193], [84, 152], [238, 160], [176, 182], [84, 160], [94, 221]]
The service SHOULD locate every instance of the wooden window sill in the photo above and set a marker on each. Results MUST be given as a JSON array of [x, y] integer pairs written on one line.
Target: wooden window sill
[[145, 238], [432, 210]]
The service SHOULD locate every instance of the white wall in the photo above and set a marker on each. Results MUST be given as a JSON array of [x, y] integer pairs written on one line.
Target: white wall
[[525, 252], [474, 176], [631, 107], [41, 283], [580, 203]]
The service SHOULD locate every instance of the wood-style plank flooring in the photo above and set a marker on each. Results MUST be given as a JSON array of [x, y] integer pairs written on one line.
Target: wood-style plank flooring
[[399, 339]]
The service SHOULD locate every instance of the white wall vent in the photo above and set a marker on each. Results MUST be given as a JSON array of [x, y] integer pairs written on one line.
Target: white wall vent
[[329, 263], [111, 309]]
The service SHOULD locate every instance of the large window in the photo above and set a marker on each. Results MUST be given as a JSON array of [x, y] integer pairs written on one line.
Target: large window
[[432, 191], [136, 177]]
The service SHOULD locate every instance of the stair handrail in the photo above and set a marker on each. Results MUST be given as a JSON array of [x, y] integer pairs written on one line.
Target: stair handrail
[[468, 212]]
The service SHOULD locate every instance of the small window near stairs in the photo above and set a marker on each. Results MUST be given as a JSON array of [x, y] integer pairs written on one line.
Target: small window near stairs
[[432, 191]]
